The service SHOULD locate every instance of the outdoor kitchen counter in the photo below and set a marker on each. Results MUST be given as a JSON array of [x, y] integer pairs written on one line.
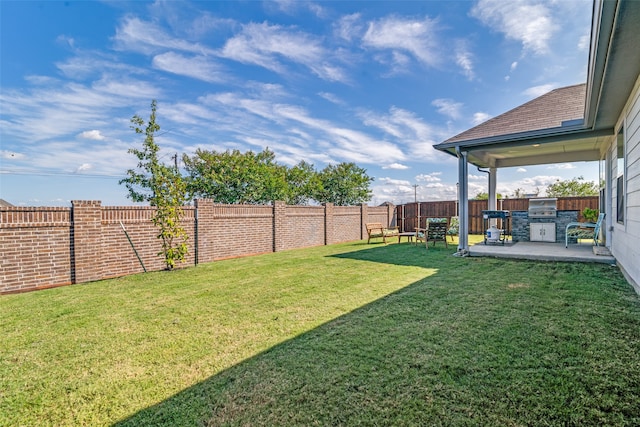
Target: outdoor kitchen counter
[[521, 224]]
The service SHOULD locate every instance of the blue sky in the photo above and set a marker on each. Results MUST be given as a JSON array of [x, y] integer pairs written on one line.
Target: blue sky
[[377, 83]]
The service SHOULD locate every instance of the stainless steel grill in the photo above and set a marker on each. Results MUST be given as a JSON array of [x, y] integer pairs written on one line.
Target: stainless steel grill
[[543, 208]]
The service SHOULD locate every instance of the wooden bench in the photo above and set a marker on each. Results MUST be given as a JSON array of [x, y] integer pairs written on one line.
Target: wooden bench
[[376, 229]]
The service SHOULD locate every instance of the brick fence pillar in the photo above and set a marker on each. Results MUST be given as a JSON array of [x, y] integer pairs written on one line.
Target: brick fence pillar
[[363, 220], [329, 234], [279, 224], [86, 241], [204, 232]]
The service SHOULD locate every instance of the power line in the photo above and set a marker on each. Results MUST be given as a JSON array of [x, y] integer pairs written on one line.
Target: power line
[[70, 174]]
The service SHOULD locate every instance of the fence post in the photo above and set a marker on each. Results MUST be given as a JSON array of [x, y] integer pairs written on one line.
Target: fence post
[[205, 232], [329, 235], [279, 224], [86, 235], [363, 219]]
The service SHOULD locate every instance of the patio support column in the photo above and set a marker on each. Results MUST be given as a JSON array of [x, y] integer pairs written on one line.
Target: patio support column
[[463, 202], [492, 202], [493, 199]]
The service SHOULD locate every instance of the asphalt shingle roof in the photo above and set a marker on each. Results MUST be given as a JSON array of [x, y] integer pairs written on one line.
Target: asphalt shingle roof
[[545, 112]]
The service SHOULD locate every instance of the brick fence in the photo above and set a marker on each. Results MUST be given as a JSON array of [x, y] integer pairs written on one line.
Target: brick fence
[[43, 247]]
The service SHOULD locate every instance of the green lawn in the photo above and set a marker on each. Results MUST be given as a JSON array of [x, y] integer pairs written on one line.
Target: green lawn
[[348, 334]]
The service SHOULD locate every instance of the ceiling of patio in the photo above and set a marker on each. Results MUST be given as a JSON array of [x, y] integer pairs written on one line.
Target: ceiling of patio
[[573, 147]]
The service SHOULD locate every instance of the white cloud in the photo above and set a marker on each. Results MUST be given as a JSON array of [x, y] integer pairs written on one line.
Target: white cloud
[[583, 43], [140, 36], [431, 177], [562, 166], [473, 177], [407, 129], [348, 27], [198, 67], [84, 167], [332, 139], [332, 98], [269, 45], [540, 90], [480, 117], [92, 134], [521, 170], [396, 166], [464, 59], [513, 67], [391, 181], [416, 37], [10, 155], [58, 109], [448, 107], [528, 22], [539, 181]]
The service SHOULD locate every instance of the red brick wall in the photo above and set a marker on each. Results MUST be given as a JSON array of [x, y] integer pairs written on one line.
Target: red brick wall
[[119, 257], [34, 248], [46, 247], [239, 230], [347, 223], [305, 226]]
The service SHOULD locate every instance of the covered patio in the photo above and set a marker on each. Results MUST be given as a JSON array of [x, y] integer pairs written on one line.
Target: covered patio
[[545, 130], [596, 121], [582, 252]]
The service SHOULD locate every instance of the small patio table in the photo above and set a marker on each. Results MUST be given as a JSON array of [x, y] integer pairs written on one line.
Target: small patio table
[[409, 235]]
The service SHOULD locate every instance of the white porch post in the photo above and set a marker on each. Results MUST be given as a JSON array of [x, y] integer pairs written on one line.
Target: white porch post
[[608, 200], [492, 202], [493, 199], [463, 203]]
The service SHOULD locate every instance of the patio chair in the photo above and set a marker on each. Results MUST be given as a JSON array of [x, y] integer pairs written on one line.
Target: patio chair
[[583, 230], [436, 231]]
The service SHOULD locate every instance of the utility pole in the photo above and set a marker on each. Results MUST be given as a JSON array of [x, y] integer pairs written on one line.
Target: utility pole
[[415, 193], [175, 161]]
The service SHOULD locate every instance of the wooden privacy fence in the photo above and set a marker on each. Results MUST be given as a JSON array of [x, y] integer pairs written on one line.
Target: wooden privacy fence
[[412, 215]]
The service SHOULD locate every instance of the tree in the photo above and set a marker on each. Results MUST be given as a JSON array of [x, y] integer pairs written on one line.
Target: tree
[[572, 188], [485, 196], [344, 184], [303, 184], [235, 177], [519, 193], [162, 187]]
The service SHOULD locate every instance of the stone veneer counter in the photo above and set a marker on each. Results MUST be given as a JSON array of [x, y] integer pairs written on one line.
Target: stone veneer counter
[[520, 231]]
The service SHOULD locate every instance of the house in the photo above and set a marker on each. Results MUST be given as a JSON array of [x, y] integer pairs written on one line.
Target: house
[[596, 121]]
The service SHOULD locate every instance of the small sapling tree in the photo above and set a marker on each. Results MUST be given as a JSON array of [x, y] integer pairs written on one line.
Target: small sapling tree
[[162, 187]]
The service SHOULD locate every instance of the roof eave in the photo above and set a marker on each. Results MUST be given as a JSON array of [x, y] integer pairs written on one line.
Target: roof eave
[[521, 137], [602, 24]]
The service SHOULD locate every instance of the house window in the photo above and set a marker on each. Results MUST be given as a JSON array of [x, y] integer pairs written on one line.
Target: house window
[[620, 191]]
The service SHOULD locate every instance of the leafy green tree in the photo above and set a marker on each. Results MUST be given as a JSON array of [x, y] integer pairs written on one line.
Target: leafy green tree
[[485, 196], [162, 187], [303, 183], [235, 177], [572, 188], [344, 184]]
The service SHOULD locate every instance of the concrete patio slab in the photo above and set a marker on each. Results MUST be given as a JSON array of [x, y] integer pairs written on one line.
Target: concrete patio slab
[[543, 252]]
